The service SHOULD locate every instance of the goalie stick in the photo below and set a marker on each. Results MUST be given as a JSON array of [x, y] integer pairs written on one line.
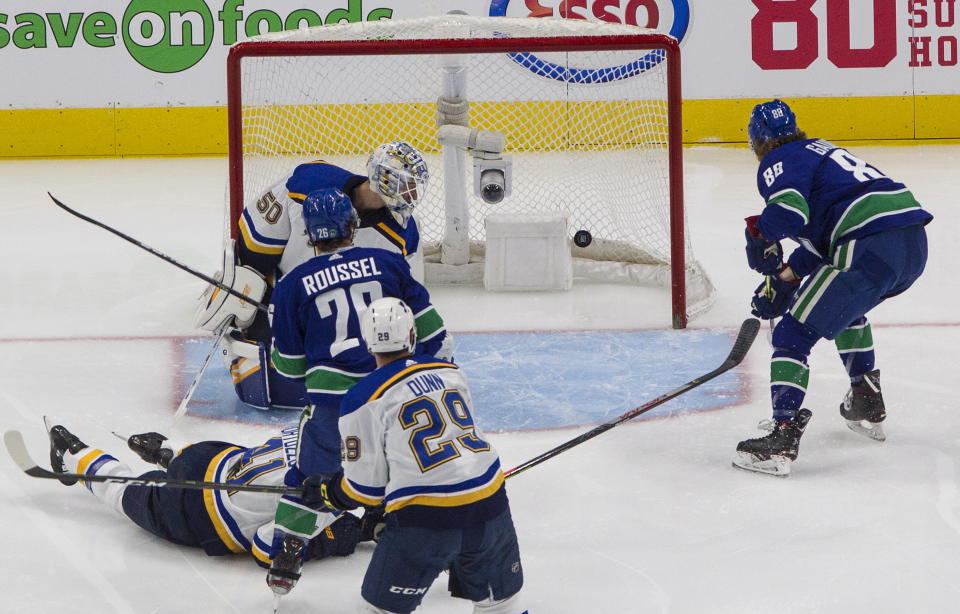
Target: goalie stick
[[182, 408], [13, 440], [161, 255], [748, 332]]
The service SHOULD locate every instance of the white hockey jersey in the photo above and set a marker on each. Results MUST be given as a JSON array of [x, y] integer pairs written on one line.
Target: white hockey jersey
[[244, 520], [410, 442]]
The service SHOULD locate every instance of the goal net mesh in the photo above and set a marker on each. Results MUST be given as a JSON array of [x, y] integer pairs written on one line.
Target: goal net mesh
[[586, 129]]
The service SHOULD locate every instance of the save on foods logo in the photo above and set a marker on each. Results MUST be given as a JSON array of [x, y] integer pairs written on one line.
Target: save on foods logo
[[168, 36], [668, 16]]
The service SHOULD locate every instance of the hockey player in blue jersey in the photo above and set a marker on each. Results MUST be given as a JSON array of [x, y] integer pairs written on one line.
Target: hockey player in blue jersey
[[861, 240], [316, 311], [273, 241], [220, 522], [410, 442]]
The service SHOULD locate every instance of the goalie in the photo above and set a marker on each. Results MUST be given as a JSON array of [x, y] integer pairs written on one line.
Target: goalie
[[274, 240]]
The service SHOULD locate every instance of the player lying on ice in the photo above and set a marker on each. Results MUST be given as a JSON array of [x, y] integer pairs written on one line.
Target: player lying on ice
[[218, 521], [861, 241], [273, 241]]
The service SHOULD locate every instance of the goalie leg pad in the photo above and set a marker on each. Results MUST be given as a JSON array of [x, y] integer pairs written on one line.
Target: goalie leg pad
[[258, 384], [250, 382], [285, 393]]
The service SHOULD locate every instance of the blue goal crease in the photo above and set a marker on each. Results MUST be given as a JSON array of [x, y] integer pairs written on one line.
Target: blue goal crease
[[538, 380]]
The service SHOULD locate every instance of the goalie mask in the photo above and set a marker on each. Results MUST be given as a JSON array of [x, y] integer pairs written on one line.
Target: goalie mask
[[388, 326], [398, 173], [328, 214], [770, 120]]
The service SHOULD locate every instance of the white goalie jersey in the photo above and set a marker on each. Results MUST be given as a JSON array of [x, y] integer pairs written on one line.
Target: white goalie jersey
[[410, 442], [273, 225]]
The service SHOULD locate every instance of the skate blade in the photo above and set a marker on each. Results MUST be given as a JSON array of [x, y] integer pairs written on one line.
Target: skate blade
[[776, 465], [873, 430]]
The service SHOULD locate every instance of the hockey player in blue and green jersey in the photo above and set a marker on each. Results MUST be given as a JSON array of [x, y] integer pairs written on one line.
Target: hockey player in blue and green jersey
[[861, 240], [316, 311]]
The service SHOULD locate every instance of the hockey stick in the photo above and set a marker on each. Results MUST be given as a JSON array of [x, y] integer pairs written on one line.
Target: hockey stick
[[768, 292], [748, 332], [13, 440], [176, 263], [182, 408]]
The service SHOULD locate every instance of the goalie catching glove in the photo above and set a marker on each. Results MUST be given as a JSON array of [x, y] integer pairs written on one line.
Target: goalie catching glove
[[763, 256], [217, 308]]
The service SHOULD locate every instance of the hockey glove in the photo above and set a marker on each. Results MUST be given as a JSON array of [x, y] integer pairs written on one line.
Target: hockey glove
[[372, 524], [339, 539], [317, 492], [763, 256], [774, 300], [286, 554]]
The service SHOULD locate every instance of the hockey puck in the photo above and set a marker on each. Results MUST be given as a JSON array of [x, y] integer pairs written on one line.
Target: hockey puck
[[582, 238]]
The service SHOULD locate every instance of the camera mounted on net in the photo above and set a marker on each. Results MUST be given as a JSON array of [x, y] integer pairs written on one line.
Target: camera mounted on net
[[492, 171]]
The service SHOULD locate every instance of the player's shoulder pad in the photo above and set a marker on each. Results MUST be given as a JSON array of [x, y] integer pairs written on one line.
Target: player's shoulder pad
[[316, 175], [374, 385], [372, 217], [365, 389]]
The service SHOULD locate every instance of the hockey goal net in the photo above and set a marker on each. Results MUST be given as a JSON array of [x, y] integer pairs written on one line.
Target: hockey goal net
[[589, 114]]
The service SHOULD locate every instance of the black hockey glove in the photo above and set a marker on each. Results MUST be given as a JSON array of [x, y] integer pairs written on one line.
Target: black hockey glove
[[773, 300], [318, 492], [763, 256], [372, 524], [339, 539]]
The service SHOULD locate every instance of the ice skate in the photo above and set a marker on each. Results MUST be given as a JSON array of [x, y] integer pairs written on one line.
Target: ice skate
[[774, 452], [285, 566], [61, 442], [863, 407], [151, 447]]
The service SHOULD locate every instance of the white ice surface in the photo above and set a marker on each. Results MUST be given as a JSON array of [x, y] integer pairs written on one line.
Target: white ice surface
[[649, 517]]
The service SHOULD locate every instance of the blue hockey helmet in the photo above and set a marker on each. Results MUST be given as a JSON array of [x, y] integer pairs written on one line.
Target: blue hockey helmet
[[770, 120], [328, 214]]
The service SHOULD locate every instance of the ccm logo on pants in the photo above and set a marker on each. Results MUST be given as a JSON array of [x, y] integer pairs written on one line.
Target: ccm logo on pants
[[400, 590]]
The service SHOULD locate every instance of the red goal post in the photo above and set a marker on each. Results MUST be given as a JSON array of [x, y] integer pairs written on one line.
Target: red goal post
[[601, 147]]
